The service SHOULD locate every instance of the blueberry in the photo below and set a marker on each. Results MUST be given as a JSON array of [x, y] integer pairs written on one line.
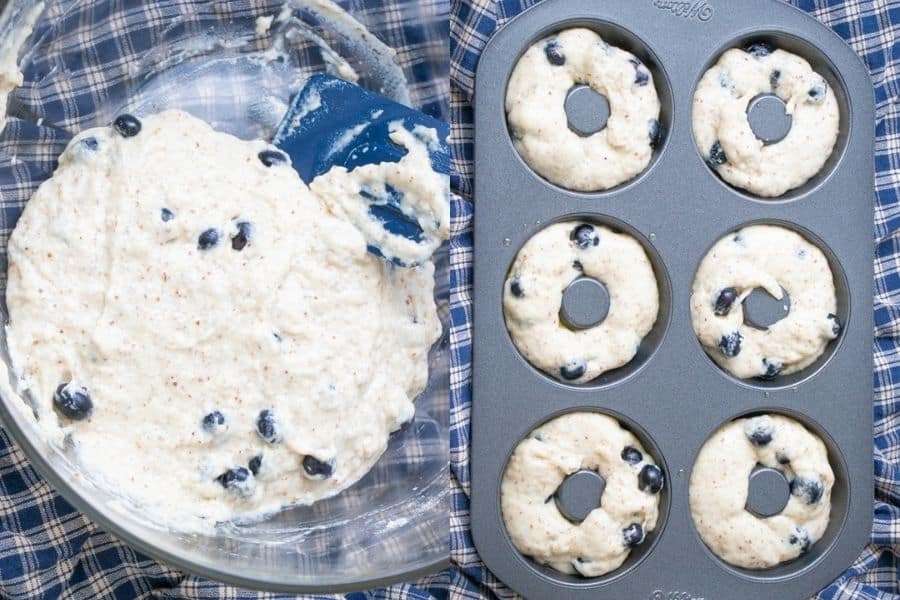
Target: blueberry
[[515, 287], [554, 53], [772, 368], [90, 143], [73, 402], [759, 49], [267, 427], [578, 266], [166, 215], [760, 432], [730, 345], [818, 92], [653, 133], [585, 236], [242, 237], [273, 158], [632, 455], [717, 156], [650, 479], [633, 535], [808, 490], [783, 459], [317, 469], [800, 537], [774, 78], [573, 369], [724, 301], [208, 239], [255, 464], [238, 480], [836, 326], [215, 422], [127, 125], [641, 74]]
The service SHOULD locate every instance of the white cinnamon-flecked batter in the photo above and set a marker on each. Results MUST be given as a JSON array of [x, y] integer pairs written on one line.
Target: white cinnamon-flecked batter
[[544, 268], [208, 339], [771, 258], [723, 134], [535, 110], [629, 505], [719, 488]]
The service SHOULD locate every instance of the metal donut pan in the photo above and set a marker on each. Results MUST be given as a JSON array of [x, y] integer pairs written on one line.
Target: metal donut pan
[[672, 395]]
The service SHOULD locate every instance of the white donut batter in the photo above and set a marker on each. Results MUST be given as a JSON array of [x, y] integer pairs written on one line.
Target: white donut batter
[[629, 506], [544, 268], [772, 258], [723, 134], [172, 274], [535, 108], [719, 484]]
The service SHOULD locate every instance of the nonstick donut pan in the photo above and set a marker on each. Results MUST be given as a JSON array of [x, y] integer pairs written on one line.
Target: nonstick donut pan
[[672, 395]]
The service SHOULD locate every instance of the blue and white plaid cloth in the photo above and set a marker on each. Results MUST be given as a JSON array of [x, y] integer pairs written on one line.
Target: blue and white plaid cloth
[[90, 51], [872, 28]]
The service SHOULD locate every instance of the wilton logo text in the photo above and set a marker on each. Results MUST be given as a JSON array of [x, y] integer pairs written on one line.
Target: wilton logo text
[[693, 9]]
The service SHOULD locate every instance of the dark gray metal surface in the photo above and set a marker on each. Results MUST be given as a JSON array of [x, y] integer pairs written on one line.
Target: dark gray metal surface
[[768, 491], [768, 118], [762, 310], [586, 110], [579, 494], [585, 303], [672, 395]]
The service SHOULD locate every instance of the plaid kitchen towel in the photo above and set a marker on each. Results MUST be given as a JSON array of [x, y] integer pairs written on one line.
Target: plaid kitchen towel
[[91, 59], [871, 27]]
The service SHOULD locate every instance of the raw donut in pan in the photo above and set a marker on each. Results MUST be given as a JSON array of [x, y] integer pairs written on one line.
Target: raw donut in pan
[[722, 130], [772, 258], [719, 491], [535, 110], [546, 265], [629, 503]]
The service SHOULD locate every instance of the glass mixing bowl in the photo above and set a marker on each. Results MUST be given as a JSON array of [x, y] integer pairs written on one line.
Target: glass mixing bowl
[[88, 60]]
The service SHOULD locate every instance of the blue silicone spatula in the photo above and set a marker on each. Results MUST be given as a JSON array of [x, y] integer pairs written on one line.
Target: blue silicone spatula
[[332, 122]]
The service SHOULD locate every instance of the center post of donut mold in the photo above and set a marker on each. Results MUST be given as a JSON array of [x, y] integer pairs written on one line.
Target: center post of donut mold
[[579, 494], [585, 303], [768, 491], [587, 110], [762, 310], [768, 118]]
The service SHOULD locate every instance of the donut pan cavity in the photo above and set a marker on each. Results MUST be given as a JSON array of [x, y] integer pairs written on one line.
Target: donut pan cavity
[[673, 396]]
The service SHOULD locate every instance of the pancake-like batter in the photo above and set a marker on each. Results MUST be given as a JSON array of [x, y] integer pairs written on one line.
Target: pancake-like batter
[[206, 337], [722, 130], [772, 258], [628, 509], [535, 109], [719, 489]]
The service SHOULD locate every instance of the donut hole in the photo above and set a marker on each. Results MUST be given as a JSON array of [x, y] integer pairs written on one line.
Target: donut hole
[[761, 310], [769, 124], [768, 118], [590, 109], [585, 304], [591, 302], [587, 110], [586, 485], [840, 503]]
